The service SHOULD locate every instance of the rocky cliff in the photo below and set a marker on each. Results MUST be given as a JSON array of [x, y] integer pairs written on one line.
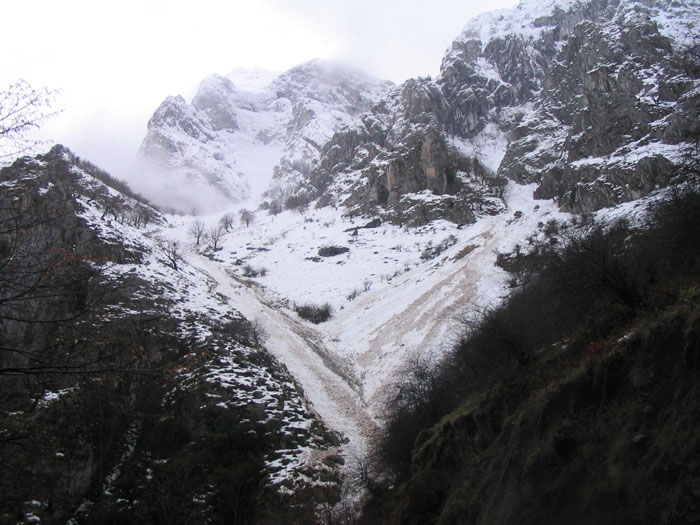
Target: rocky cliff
[[594, 101]]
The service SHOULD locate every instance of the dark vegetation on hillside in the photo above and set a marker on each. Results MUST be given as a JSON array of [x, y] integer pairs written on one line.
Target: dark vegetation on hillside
[[574, 401], [106, 412], [114, 183], [314, 313]]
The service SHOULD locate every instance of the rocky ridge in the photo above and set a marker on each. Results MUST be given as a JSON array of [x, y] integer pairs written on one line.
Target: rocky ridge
[[233, 142], [594, 101], [158, 379]]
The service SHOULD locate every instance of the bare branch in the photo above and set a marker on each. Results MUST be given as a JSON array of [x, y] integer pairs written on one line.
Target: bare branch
[[22, 109]]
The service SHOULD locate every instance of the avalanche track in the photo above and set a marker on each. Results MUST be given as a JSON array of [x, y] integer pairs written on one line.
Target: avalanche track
[[348, 365], [418, 314], [327, 382]]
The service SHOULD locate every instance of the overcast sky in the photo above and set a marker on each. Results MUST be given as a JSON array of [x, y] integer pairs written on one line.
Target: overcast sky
[[114, 62]]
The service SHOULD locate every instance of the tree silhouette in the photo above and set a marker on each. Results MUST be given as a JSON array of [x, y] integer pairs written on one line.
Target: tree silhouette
[[22, 110], [227, 221], [247, 217], [197, 230], [214, 237]]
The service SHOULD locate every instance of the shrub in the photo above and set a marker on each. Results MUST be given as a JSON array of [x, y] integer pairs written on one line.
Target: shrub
[[431, 252], [249, 271], [298, 203], [314, 313], [418, 400], [275, 207]]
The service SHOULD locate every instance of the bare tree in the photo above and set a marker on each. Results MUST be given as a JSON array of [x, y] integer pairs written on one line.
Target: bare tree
[[247, 217], [170, 250], [197, 230], [227, 221], [22, 110], [214, 237], [259, 333]]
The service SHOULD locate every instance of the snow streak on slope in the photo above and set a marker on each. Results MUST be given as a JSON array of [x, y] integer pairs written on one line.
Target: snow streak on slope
[[419, 313], [217, 358], [398, 292], [298, 347]]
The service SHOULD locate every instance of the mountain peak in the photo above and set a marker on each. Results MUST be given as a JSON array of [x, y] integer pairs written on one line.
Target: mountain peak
[[251, 78], [528, 19], [246, 127]]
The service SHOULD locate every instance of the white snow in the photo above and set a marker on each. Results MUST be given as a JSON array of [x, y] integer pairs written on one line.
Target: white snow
[[297, 346], [676, 20], [388, 302], [489, 146], [280, 119], [513, 21], [252, 78], [679, 21]]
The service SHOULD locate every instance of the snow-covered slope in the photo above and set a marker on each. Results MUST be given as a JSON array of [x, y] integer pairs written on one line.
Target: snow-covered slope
[[241, 131], [397, 292], [414, 190], [593, 100], [586, 104]]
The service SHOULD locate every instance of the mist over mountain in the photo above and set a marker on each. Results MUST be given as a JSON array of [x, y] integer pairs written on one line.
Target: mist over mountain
[[581, 98], [232, 143], [327, 298]]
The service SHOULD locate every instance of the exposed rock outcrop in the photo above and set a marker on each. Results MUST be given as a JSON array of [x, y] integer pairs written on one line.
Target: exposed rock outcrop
[[116, 387], [593, 101]]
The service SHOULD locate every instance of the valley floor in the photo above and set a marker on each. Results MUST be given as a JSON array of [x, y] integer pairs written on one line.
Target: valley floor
[[396, 295]]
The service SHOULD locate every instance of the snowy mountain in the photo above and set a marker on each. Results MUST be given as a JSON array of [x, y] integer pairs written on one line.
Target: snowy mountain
[[216, 330], [236, 363], [594, 101], [252, 132]]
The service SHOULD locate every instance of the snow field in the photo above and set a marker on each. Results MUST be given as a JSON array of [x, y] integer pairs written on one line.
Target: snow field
[[388, 302]]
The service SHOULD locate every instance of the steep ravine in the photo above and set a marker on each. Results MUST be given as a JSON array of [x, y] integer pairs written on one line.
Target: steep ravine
[[348, 365], [331, 389]]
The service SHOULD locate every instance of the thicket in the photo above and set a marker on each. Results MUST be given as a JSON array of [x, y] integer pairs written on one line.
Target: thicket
[[580, 289], [212, 450], [315, 313]]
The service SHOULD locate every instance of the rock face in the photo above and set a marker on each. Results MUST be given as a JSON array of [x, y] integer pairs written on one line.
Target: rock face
[[593, 101], [618, 100], [398, 162], [234, 142]]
